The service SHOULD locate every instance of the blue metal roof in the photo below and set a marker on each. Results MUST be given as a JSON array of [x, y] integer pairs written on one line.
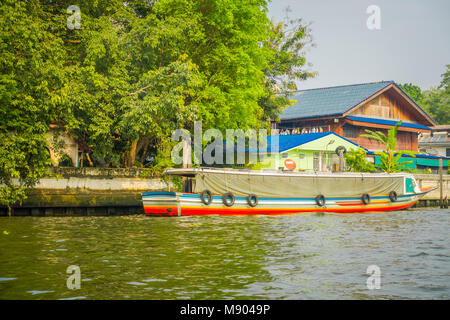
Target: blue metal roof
[[330, 101], [388, 122], [287, 142]]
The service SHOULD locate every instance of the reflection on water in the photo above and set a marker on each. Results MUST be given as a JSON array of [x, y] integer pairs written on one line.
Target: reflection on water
[[304, 256]]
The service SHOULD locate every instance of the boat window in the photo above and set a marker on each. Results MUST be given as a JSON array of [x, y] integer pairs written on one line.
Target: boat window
[[414, 182], [409, 185]]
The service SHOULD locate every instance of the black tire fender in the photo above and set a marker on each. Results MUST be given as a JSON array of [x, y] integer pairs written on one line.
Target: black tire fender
[[252, 200], [365, 198], [393, 196], [320, 200], [228, 199], [202, 197]]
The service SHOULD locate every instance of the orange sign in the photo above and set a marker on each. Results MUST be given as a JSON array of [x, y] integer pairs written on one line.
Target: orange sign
[[290, 164]]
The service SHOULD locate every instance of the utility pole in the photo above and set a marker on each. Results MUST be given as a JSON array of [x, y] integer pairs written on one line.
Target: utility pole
[[187, 163], [441, 184]]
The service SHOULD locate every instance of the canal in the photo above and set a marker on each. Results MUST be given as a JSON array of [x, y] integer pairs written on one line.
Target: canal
[[304, 256]]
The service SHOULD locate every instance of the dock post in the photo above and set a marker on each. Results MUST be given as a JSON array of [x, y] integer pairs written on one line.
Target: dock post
[[341, 161], [187, 163], [441, 184]]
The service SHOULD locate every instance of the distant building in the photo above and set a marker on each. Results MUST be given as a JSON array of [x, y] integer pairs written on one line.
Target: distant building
[[436, 142], [62, 147], [351, 109]]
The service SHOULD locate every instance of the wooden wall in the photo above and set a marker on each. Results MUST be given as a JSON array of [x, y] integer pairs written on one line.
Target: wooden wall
[[387, 106], [405, 140]]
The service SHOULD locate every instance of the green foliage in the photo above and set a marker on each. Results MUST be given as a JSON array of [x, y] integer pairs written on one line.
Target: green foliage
[[389, 157], [435, 101], [412, 91], [23, 160], [30, 72], [135, 71], [356, 160], [287, 65]]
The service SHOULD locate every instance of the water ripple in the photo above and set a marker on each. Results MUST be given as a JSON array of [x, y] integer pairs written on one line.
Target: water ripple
[[304, 256]]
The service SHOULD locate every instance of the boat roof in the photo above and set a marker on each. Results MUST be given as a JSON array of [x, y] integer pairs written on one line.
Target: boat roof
[[192, 172]]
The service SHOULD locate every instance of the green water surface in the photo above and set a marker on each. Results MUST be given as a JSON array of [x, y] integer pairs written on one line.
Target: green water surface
[[303, 256]]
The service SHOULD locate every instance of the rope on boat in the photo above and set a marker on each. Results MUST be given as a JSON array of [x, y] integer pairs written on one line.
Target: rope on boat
[[316, 182], [249, 183], [226, 183]]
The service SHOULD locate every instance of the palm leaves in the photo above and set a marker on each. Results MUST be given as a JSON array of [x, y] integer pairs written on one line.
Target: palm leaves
[[389, 157]]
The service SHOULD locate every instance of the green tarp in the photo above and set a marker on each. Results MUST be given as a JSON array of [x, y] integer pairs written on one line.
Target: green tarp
[[297, 186]]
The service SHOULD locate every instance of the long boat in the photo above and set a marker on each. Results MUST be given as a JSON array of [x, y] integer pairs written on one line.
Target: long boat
[[212, 191]]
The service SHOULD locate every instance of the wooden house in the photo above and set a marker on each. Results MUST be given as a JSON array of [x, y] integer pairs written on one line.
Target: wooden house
[[351, 109]]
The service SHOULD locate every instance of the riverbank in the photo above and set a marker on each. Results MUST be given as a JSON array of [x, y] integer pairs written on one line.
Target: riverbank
[[89, 192], [112, 192]]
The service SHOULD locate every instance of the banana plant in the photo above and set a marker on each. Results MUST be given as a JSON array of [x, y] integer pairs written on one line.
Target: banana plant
[[389, 157]]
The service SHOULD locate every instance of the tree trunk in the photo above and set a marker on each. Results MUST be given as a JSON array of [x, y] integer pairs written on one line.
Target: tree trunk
[[89, 159], [144, 153], [132, 155]]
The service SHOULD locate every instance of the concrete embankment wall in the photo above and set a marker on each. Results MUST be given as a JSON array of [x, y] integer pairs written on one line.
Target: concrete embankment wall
[[89, 191], [103, 191], [432, 198]]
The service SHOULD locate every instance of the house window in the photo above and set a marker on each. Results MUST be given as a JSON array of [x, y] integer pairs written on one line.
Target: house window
[[316, 160], [301, 156], [350, 131], [284, 155]]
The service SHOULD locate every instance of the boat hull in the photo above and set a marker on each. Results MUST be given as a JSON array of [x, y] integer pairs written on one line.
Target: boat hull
[[189, 204]]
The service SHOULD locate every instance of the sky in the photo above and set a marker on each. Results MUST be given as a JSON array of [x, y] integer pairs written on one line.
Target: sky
[[411, 46]]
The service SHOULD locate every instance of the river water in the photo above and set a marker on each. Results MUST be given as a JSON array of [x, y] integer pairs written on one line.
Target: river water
[[303, 256]]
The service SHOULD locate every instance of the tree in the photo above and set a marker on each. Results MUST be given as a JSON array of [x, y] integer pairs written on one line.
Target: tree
[[435, 101], [30, 77], [412, 91], [389, 157], [232, 56], [135, 71], [289, 39], [356, 160]]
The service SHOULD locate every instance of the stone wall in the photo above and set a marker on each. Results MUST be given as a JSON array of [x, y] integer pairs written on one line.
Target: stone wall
[[427, 180], [89, 191]]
